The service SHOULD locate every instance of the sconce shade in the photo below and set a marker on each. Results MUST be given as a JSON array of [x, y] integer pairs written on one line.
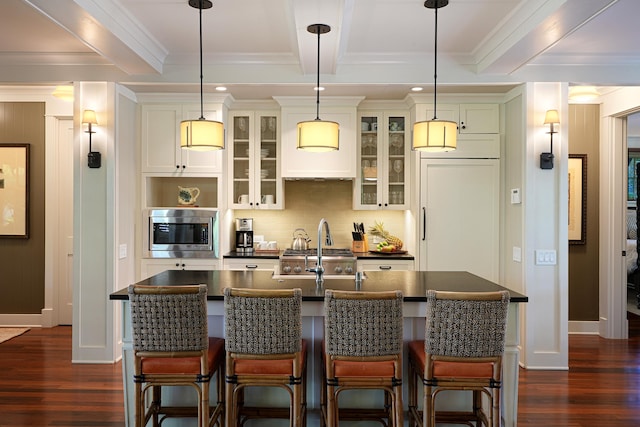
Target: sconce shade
[[551, 117], [89, 117], [318, 136], [63, 92], [201, 135], [435, 135]]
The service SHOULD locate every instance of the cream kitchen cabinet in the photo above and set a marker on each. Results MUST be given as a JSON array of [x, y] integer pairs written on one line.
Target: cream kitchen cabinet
[[471, 118], [150, 267], [245, 264], [160, 133], [459, 216], [385, 265], [383, 161], [254, 161], [478, 129], [334, 164]]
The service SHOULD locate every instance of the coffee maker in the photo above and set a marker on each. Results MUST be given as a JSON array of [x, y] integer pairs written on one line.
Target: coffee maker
[[244, 235]]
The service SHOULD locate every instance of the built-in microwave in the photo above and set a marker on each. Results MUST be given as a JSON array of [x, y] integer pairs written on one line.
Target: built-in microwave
[[181, 233]]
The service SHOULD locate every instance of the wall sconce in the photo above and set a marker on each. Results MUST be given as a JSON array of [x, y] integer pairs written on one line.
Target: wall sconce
[[89, 118], [546, 159]]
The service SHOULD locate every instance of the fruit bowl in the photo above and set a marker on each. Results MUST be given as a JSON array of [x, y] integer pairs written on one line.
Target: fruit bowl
[[400, 252]]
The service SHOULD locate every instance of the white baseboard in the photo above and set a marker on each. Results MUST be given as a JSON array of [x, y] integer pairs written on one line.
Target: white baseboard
[[26, 320], [584, 328]]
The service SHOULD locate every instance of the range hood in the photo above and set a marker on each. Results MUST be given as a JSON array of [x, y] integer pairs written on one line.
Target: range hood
[[340, 164]]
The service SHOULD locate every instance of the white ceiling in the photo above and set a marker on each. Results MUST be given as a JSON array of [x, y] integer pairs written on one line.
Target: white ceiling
[[376, 48]]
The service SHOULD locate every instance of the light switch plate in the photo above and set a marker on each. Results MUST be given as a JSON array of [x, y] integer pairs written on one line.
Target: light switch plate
[[517, 254], [122, 250], [545, 257]]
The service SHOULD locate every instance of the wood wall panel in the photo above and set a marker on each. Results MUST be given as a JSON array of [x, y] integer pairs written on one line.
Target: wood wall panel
[[584, 137], [22, 260]]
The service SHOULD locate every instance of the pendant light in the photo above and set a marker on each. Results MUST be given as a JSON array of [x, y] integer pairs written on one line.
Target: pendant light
[[435, 135], [318, 135], [201, 134]]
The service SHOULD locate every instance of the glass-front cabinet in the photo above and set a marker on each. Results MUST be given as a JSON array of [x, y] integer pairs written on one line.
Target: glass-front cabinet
[[254, 157], [383, 152]]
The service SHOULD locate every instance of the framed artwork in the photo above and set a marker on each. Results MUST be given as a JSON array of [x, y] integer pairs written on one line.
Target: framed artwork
[[14, 191], [577, 199]]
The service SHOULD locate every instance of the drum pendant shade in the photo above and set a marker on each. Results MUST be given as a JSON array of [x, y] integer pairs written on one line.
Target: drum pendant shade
[[318, 135], [201, 134], [435, 135]]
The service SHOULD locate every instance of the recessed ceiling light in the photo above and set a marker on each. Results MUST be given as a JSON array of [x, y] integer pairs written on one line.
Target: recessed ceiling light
[[583, 93], [416, 89], [64, 92], [221, 88]]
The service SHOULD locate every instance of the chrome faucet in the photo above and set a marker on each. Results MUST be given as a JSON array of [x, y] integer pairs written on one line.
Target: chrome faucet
[[319, 269]]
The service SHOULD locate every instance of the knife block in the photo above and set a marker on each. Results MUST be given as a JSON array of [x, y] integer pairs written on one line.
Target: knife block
[[360, 245]]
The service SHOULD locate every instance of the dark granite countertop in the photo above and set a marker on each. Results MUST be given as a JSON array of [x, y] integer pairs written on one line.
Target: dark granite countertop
[[413, 284]]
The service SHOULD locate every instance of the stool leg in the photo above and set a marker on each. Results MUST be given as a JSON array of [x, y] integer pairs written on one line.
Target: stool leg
[[139, 405], [229, 406], [332, 409], [496, 416]]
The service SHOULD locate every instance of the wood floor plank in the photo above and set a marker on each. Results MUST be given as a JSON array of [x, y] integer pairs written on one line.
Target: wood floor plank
[[39, 386]]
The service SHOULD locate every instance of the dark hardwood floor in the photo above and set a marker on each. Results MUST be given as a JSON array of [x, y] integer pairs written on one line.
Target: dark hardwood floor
[[39, 386], [600, 389]]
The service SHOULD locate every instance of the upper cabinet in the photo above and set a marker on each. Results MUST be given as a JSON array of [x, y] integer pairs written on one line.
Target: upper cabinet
[[383, 180], [478, 129], [334, 164], [160, 132], [254, 160]]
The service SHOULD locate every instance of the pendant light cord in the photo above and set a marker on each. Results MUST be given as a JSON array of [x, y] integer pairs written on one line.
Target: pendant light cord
[[318, 81], [435, 67], [201, 91]]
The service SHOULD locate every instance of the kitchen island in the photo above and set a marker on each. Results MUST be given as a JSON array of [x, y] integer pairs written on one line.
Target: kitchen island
[[413, 284]]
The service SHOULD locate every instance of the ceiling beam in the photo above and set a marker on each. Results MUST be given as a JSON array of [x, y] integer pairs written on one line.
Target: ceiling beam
[[109, 30], [535, 27]]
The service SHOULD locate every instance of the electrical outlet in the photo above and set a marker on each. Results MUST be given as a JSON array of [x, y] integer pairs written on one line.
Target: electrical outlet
[[515, 196], [545, 257]]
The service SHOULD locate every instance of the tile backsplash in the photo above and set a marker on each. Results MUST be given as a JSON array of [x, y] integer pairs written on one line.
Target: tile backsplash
[[308, 201]]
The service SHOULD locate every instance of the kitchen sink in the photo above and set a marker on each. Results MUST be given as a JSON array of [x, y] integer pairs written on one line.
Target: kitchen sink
[[311, 276]]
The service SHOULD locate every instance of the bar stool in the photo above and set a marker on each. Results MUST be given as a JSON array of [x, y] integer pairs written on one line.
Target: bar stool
[[171, 347], [462, 350], [362, 350], [264, 349]]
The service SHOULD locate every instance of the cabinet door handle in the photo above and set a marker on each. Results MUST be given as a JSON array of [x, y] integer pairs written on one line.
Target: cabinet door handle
[[424, 223], [384, 267], [462, 125], [177, 166], [251, 266]]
